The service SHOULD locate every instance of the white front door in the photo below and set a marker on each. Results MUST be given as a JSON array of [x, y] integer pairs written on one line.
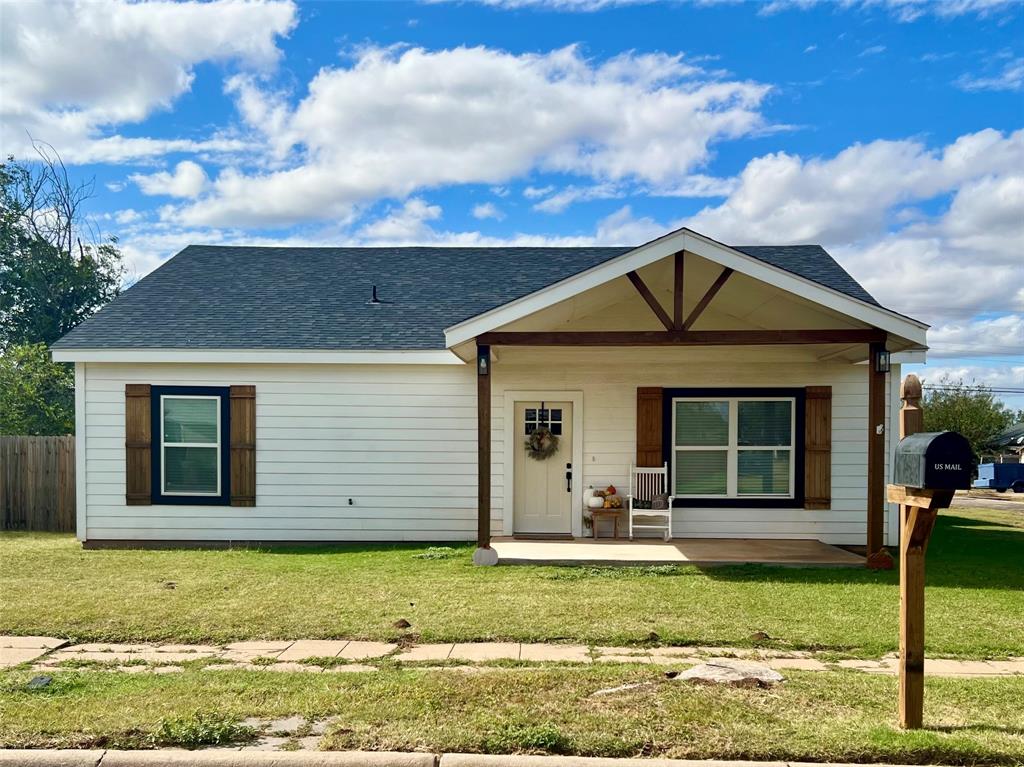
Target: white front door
[[541, 496]]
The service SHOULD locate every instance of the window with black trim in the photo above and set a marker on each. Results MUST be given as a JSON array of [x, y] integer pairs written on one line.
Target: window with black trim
[[191, 458], [735, 447]]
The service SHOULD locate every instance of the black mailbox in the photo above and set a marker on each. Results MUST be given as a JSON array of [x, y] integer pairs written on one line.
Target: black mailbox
[[933, 461]]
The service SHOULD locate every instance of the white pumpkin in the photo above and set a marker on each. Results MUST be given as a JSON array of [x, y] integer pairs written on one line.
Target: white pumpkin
[[595, 502]]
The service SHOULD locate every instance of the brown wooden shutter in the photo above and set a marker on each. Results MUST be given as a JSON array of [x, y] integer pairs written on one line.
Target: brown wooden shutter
[[818, 447], [648, 426], [138, 445], [243, 445]]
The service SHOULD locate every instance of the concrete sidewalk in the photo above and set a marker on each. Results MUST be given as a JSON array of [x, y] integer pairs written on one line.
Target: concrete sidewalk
[[316, 656], [216, 758]]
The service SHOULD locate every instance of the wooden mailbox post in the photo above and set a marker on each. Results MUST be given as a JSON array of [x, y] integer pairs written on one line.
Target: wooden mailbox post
[[927, 471]]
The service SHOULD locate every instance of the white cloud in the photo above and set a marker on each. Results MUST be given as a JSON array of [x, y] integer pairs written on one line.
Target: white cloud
[[621, 228], [408, 224], [1004, 376], [1011, 78], [991, 336], [72, 69], [904, 10], [570, 195], [127, 216], [188, 180], [487, 210], [536, 192], [696, 185], [474, 115], [148, 244], [785, 198], [873, 50], [810, 48], [945, 268]]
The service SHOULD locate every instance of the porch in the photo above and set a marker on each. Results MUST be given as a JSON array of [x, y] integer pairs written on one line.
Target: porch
[[797, 377], [702, 552]]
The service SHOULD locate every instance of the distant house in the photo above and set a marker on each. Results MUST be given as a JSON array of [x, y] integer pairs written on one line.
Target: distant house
[[386, 394]]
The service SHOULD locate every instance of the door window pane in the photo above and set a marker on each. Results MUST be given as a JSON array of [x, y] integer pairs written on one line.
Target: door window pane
[[190, 420], [701, 472], [765, 423], [190, 470], [702, 423], [763, 472]]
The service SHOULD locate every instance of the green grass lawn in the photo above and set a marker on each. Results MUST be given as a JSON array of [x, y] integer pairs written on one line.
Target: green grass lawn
[[50, 586], [835, 716]]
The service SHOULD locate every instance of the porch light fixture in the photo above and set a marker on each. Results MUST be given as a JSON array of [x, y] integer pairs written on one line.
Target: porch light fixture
[[882, 361], [483, 356]]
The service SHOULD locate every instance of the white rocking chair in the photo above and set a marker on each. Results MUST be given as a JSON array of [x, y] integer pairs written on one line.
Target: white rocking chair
[[644, 484]]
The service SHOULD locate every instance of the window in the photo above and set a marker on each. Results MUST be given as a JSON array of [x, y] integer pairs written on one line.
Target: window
[[190, 450], [543, 417], [734, 447]]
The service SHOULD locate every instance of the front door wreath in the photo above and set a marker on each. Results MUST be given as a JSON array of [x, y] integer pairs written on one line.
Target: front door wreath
[[541, 444]]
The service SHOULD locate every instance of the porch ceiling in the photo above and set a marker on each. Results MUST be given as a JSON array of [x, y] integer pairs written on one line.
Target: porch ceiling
[[742, 303]]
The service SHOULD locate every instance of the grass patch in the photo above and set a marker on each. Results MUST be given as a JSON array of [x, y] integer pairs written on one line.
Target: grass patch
[[325, 661], [198, 729], [588, 573], [438, 552], [262, 660], [837, 716], [89, 663], [520, 738], [53, 587]]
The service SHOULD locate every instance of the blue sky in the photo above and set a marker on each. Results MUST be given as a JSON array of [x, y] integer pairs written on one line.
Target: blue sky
[[890, 131]]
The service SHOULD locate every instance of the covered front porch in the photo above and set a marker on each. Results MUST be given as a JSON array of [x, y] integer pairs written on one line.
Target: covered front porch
[[701, 552], [783, 398]]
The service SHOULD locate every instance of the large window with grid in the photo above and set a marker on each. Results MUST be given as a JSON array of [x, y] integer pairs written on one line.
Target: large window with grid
[[733, 447]]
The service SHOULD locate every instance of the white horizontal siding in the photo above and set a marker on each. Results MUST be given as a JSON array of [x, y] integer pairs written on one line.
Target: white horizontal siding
[[609, 379], [400, 443]]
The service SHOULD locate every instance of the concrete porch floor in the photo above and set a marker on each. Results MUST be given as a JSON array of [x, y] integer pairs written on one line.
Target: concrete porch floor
[[689, 551]]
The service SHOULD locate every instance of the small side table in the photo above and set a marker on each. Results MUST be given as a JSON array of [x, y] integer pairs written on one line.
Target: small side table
[[596, 515]]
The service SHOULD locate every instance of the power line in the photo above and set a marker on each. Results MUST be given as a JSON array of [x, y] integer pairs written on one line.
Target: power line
[[987, 388]]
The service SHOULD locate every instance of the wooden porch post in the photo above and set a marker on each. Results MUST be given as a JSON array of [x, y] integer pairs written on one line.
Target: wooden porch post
[[911, 577], [876, 461], [484, 554]]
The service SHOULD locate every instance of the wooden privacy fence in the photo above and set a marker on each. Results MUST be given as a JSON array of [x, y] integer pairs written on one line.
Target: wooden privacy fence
[[37, 483]]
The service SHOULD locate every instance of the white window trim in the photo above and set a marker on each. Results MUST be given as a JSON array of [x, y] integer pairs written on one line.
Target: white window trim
[[733, 448], [164, 445]]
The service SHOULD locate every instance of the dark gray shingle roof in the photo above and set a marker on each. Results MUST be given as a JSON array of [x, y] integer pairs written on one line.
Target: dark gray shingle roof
[[216, 297], [811, 262]]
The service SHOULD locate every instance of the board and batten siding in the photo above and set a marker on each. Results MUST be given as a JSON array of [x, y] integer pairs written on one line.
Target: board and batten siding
[[400, 442]]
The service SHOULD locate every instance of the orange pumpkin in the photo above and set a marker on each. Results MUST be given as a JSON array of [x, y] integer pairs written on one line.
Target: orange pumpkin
[[610, 490]]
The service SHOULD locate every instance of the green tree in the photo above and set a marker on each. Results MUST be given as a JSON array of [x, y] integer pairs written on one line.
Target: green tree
[[55, 270], [37, 395], [968, 408]]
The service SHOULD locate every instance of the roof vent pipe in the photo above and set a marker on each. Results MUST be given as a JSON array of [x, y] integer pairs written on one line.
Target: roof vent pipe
[[374, 301]]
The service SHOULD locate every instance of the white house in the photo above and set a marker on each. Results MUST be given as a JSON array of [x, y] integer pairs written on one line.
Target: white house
[[385, 394]]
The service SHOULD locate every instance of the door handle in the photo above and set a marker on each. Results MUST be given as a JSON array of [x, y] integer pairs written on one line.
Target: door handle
[[568, 477]]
